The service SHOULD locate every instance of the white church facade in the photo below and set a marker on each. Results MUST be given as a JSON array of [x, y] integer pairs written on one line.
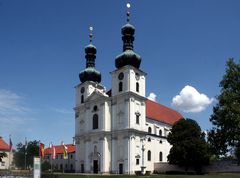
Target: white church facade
[[119, 131]]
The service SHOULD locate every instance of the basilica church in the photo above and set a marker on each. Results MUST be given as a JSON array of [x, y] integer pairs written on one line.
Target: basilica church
[[119, 131]]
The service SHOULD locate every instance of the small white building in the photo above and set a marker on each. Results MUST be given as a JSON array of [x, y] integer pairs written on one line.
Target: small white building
[[6, 162], [119, 131]]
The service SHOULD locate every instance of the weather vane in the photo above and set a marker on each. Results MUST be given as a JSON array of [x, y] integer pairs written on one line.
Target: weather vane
[[91, 34], [128, 11]]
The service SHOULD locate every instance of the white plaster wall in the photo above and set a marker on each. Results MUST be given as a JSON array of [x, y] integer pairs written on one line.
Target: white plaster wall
[[129, 81], [6, 161], [137, 106], [133, 80]]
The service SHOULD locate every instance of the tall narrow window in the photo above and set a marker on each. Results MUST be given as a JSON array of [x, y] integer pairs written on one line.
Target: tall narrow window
[[137, 161], [160, 132], [137, 87], [82, 99], [95, 121], [137, 118], [120, 86], [160, 156], [149, 130], [149, 155]]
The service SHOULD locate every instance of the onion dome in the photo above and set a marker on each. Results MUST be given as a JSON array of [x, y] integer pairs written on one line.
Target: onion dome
[[90, 73], [128, 56]]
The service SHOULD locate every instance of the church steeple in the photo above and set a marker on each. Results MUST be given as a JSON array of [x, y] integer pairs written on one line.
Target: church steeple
[[90, 73], [128, 57]]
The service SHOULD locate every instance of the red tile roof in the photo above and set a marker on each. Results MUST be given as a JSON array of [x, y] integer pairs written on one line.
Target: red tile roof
[[161, 113], [59, 149], [3, 145]]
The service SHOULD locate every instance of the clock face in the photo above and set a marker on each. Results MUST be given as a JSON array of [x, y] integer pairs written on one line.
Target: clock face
[[82, 90], [121, 76], [137, 76]]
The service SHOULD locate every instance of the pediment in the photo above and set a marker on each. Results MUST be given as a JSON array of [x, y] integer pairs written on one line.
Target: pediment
[[96, 95]]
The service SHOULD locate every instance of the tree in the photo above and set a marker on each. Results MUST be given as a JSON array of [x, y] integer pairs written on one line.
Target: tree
[[31, 150], [237, 154], [45, 166], [189, 147], [226, 114], [2, 155]]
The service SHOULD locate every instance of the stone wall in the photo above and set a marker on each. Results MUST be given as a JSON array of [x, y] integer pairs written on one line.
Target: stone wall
[[217, 166]]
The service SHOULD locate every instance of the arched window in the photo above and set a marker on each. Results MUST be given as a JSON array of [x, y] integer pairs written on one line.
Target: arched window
[[120, 86], [82, 99], [149, 139], [160, 132], [95, 121], [160, 156], [149, 155], [149, 130], [137, 86]]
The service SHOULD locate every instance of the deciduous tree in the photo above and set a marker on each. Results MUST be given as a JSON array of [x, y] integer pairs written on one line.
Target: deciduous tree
[[31, 150], [189, 148]]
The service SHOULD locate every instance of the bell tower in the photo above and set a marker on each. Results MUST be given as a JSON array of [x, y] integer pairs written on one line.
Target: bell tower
[[128, 77], [90, 77]]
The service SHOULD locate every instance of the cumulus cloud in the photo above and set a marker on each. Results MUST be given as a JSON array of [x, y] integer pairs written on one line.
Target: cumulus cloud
[[152, 96], [190, 100]]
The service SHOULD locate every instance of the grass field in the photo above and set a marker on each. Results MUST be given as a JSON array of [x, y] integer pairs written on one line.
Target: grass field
[[153, 176]]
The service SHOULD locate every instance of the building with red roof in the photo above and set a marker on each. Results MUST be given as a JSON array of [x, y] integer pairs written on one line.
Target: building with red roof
[[5, 148], [58, 163], [119, 131]]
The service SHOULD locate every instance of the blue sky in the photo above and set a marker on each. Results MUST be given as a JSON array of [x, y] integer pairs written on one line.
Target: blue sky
[[182, 43]]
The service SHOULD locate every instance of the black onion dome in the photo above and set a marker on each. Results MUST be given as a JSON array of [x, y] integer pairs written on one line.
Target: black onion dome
[[128, 56], [90, 73]]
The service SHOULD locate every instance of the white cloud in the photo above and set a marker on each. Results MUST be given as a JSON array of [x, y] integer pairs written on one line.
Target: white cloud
[[152, 96], [190, 100], [9, 101], [13, 112], [62, 110]]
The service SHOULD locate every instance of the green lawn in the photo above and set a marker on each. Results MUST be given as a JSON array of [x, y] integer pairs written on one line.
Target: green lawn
[[153, 176]]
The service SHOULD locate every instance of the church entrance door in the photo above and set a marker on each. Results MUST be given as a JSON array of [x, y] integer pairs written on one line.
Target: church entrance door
[[121, 168], [95, 166]]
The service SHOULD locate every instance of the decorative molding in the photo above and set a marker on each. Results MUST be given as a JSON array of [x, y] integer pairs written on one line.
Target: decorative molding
[[132, 99], [137, 113], [138, 156]]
